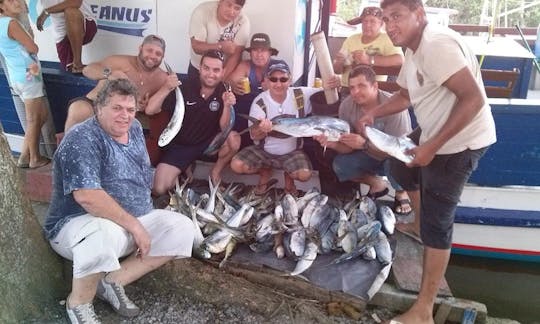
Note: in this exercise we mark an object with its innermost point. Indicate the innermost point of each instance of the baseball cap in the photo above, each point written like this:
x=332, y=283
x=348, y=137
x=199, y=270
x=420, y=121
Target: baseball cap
x=278, y=65
x=261, y=40
x=368, y=11
x=154, y=39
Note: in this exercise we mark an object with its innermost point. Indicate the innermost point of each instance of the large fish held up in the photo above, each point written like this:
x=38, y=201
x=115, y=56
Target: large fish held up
x=392, y=145
x=311, y=126
x=174, y=125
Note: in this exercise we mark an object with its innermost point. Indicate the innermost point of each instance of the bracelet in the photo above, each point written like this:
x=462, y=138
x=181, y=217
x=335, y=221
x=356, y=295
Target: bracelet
x=46, y=12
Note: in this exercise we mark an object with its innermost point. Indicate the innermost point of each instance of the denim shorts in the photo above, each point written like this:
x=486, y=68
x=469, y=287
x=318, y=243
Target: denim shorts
x=441, y=184
x=31, y=89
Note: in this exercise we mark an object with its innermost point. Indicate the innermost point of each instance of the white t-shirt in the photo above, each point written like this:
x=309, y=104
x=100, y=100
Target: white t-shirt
x=59, y=21
x=204, y=27
x=440, y=55
x=273, y=145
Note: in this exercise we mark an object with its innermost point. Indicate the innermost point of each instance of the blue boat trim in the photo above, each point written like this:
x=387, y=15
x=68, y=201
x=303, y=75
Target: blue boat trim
x=497, y=217
x=496, y=254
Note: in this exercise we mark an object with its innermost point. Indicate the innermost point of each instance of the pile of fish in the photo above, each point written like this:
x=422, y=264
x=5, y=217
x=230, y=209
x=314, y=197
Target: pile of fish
x=296, y=228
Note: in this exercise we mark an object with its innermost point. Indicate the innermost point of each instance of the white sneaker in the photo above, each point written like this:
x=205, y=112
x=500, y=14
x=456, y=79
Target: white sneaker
x=82, y=314
x=115, y=295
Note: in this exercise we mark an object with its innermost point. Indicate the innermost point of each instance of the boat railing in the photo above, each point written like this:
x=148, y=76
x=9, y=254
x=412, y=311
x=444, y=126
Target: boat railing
x=499, y=83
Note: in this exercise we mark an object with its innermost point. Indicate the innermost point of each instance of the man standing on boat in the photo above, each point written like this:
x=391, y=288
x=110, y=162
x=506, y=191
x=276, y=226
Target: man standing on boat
x=218, y=25
x=153, y=84
x=441, y=79
x=101, y=209
x=208, y=105
x=74, y=26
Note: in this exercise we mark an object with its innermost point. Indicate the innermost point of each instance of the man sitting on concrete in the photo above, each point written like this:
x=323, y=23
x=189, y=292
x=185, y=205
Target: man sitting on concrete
x=356, y=161
x=272, y=152
x=208, y=106
x=101, y=209
x=74, y=26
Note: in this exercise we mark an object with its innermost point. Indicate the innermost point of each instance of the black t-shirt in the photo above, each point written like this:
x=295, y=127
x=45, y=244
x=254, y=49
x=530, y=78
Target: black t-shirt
x=201, y=119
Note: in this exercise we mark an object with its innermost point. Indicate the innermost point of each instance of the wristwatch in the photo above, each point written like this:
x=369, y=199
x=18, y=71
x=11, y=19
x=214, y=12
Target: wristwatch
x=106, y=73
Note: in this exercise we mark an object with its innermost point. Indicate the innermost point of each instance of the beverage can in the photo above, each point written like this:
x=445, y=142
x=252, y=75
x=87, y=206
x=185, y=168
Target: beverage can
x=317, y=83
x=245, y=85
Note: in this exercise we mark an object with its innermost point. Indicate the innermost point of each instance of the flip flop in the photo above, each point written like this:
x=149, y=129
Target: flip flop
x=263, y=188
x=77, y=70
x=23, y=165
x=400, y=203
x=378, y=194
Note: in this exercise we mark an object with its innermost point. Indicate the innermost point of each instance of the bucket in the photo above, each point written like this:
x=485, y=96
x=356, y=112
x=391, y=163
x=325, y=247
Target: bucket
x=319, y=106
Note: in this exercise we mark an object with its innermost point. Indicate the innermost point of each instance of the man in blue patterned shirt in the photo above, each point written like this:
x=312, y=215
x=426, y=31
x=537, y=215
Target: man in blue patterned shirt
x=101, y=208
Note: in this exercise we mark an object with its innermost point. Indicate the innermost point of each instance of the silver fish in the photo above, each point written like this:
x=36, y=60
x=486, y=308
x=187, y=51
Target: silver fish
x=311, y=126
x=174, y=125
x=387, y=218
x=221, y=137
x=307, y=259
x=210, y=206
x=392, y=145
x=383, y=250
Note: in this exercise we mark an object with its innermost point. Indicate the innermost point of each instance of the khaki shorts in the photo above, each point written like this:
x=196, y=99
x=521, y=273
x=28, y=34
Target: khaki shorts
x=95, y=244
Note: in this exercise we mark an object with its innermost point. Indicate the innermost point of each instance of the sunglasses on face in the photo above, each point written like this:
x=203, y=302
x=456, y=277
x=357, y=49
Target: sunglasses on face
x=276, y=79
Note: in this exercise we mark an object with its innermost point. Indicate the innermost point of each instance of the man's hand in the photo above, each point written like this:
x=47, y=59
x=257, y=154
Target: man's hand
x=229, y=99
x=142, y=239
x=172, y=81
x=228, y=47
x=265, y=125
x=354, y=141
x=423, y=155
x=41, y=20
x=238, y=87
x=332, y=82
x=366, y=120
x=143, y=101
x=340, y=58
x=322, y=139
x=360, y=57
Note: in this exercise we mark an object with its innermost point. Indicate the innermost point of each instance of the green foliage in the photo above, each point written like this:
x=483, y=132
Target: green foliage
x=469, y=11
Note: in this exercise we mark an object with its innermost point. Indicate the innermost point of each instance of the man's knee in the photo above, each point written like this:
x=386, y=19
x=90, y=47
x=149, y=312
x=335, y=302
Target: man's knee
x=239, y=166
x=301, y=175
x=79, y=111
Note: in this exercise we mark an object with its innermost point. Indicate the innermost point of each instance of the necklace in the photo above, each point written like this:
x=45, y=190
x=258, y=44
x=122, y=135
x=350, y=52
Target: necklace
x=141, y=79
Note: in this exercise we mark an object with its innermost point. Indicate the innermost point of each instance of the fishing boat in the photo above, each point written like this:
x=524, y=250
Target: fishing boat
x=499, y=212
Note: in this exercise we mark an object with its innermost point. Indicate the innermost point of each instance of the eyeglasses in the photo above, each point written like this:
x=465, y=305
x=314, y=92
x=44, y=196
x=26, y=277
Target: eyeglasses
x=276, y=79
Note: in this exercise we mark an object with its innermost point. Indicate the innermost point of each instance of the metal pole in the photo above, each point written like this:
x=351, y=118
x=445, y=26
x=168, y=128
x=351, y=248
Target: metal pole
x=535, y=62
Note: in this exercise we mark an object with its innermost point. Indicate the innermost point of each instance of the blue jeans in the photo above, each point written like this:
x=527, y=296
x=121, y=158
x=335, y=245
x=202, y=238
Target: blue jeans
x=353, y=165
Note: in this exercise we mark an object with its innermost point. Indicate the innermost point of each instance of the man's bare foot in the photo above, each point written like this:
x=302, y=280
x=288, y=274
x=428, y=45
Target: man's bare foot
x=290, y=187
x=413, y=316
x=264, y=179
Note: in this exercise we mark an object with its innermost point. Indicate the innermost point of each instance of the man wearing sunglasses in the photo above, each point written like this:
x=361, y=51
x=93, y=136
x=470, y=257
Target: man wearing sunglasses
x=272, y=152
x=218, y=25
x=208, y=104
x=153, y=84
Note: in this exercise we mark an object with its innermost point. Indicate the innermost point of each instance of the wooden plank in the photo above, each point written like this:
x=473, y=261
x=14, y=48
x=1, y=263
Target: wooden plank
x=407, y=266
x=291, y=285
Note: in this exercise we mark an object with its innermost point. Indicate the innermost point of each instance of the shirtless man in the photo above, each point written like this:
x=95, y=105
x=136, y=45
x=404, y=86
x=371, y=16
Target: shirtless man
x=153, y=84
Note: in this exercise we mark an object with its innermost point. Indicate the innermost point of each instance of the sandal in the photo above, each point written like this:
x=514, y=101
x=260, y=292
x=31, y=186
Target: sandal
x=401, y=203
x=74, y=69
x=378, y=194
x=263, y=188
x=40, y=163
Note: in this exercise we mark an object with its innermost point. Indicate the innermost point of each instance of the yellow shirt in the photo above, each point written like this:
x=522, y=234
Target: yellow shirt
x=382, y=45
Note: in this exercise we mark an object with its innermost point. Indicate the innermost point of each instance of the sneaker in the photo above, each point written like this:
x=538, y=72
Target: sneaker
x=115, y=295
x=82, y=314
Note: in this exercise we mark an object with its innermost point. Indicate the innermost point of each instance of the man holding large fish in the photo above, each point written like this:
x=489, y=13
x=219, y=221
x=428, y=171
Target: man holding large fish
x=273, y=151
x=441, y=79
x=208, y=105
x=355, y=160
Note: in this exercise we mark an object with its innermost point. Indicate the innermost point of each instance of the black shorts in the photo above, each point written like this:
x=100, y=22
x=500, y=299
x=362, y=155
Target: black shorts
x=441, y=183
x=181, y=156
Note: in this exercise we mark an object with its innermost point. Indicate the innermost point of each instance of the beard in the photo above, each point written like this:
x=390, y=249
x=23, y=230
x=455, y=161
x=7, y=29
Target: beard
x=144, y=63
